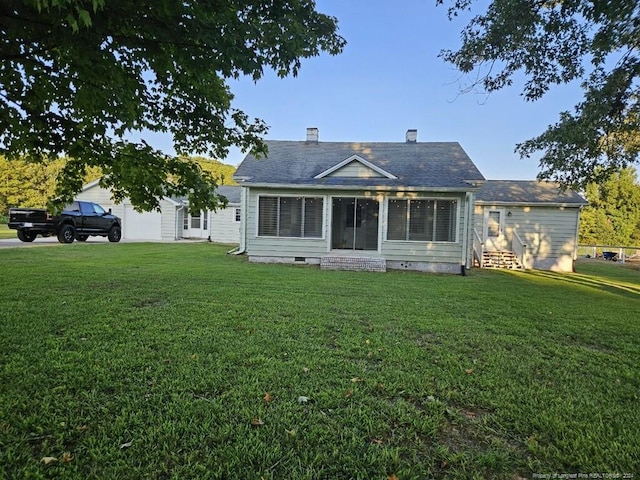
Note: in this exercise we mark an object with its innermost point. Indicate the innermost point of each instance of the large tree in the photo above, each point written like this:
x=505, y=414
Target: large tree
x=594, y=42
x=613, y=214
x=81, y=78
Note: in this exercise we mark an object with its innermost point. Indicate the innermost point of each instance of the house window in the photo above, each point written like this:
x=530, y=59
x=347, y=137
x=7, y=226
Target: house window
x=185, y=221
x=205, y=220
x=422, y=220
x=237, y=214
x=195, y=220
x=290, y=217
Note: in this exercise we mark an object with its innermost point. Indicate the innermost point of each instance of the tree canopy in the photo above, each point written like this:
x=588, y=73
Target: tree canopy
x=29, y=184
x=81, y=78
x=594, y=42
x=613, y=214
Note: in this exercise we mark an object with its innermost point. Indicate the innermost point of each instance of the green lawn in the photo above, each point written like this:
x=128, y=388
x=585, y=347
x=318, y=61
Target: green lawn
x=5, y=232
x=178, y=361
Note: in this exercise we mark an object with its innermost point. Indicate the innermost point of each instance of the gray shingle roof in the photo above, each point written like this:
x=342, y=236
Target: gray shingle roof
x=416, y=165
x=526, y=192
x=231, y=192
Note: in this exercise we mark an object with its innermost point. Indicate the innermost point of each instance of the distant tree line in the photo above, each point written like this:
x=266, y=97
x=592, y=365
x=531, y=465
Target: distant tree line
x=28, y=184
x=613, y=214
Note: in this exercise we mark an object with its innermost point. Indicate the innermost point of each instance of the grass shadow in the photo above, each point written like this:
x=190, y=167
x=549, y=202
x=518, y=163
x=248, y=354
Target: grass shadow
x=601, y=283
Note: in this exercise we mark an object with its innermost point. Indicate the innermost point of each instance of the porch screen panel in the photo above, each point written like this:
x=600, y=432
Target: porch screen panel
x=313, y=217
x=421, y=214
x=446, y=221
x=290, y=217
x=397, y=220
x=268, y=216
x=422, y=220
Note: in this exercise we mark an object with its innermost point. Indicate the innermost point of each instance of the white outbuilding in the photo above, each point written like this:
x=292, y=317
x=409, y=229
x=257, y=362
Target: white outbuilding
x=173, y=221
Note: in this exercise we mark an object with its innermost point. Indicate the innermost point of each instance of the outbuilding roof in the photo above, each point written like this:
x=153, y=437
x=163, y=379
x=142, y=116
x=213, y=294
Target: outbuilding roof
x=419, y=165
x=231, y=192
x=527, y=192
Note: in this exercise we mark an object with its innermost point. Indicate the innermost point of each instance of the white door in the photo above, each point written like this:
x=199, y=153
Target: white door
x=141, y=225
x=494, y=229
x=197, y=225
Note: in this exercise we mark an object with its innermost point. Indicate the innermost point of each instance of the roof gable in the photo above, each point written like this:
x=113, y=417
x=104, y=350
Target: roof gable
x=355, y=167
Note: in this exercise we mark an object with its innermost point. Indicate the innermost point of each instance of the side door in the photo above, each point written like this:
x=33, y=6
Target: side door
x=101, y=219
x=84, y=223
x=91, y=219
x=494, y=238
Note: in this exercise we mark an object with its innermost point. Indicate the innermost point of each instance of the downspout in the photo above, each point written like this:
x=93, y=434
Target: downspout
x=465, y=239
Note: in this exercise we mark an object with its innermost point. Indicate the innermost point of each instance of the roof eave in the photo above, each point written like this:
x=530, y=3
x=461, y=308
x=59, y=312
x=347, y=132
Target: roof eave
x=290, y=186
x=532, y=204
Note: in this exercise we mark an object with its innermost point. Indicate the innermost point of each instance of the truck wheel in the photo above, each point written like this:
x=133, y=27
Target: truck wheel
x=26, y=236
x=82, y=238
x=114, y=234
x=66, y=234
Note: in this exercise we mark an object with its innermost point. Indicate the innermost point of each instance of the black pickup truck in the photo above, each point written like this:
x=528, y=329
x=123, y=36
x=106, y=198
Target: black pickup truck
x=78, y=221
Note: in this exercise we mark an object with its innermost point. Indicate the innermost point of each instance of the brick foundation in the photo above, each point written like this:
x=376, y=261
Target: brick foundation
x=361, y=264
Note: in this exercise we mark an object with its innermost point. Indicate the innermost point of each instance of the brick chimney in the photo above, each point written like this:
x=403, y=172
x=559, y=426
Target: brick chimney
x=312, y=134
x=412, y=136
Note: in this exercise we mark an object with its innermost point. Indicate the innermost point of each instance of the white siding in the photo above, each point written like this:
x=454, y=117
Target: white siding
x=223, y=226
x=170, y=228
x=356, y=169
x=548, y=231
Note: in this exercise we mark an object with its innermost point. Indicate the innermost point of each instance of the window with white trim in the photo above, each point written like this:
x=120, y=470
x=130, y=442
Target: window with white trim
x=237, y=215
x=422, y=220
x=290, y=217
x=195, y=220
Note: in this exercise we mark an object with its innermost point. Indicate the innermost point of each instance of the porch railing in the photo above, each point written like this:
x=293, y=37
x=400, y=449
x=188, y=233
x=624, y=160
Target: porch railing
x=478, y=247
x=519, y=249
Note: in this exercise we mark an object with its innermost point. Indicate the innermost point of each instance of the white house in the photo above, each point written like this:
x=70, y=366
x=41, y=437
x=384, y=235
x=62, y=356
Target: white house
x=375, y=205
x=401, y=205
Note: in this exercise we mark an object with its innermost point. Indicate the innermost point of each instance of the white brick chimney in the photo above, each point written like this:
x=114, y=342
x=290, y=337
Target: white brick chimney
x=312, y=134
x=412, y=136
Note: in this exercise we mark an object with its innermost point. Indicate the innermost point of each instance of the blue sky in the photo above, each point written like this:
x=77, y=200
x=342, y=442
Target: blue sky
x=389, y=79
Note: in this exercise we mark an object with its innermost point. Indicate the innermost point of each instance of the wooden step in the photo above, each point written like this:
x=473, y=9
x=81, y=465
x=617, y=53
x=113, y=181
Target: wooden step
x=501, y=259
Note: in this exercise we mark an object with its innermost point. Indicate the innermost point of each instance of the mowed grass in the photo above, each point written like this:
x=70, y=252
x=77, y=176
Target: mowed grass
x=178, y=361
x=5, y=232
